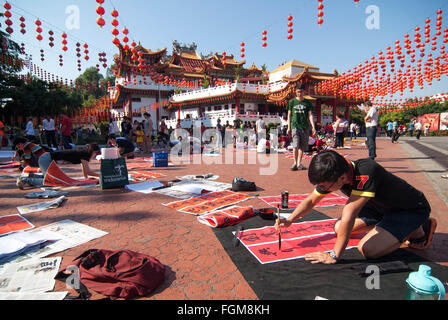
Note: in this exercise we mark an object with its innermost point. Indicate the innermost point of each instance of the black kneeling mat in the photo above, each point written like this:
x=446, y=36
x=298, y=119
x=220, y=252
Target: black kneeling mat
x=349, y=279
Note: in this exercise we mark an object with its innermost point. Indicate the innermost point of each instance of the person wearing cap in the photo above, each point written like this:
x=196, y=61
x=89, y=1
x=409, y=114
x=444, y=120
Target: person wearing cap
x=75, y=156
x=300, y=119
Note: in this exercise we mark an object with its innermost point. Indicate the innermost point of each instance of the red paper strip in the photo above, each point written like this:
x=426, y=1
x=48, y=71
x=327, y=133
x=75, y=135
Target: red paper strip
x=12, y=223
x=10, y=164
x=146, y=174
x=55, y=177
x=226, y=217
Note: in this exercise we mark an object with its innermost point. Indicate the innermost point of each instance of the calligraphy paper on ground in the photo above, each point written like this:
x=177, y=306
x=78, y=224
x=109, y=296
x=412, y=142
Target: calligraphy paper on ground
x=10, y=164
x=207, y=203
x=296, y=241
x=146, y=174
x=332, y=199
x=55, y=177
x=13, y=223
x=226, y=217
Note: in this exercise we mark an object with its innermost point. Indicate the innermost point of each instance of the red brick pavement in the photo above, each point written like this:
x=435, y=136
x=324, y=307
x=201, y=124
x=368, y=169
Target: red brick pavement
x=197, y=265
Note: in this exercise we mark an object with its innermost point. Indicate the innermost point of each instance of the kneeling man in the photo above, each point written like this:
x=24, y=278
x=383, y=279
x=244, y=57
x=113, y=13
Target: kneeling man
x=390, y=210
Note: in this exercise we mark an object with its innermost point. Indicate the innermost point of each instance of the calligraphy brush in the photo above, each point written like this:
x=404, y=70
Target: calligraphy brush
x=279, y=230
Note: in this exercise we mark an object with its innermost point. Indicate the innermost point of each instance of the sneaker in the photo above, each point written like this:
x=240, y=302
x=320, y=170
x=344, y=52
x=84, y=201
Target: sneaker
x=445, y=176
x=294, y=168
x=301, y=167
x=20, y=183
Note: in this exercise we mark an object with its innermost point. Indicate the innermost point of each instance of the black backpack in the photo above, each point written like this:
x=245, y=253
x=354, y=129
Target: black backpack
x=239, y=184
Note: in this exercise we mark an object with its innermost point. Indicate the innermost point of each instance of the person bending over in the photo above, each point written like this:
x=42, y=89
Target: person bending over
x=44, y=159
x=125, y=147
x=390, y=210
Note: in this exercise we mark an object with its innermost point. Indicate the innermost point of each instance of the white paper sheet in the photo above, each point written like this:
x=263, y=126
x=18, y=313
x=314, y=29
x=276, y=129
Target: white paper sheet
x=144, y=187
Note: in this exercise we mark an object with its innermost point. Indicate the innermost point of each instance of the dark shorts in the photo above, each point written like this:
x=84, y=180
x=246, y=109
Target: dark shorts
x=300, y=139
x=398, y=222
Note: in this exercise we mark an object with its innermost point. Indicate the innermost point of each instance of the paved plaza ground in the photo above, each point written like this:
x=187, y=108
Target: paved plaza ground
x=198, y=268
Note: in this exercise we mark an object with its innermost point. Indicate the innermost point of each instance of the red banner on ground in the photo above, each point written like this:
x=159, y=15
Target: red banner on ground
x=55, y=177
x=226, y=217
x=208, y=202
x=296, y=241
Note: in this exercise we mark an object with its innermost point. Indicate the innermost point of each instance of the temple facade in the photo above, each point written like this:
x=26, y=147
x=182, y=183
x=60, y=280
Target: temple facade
x=198, y=88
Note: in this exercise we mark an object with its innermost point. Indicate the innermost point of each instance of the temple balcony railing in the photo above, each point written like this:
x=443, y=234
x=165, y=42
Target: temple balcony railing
x=229, y=88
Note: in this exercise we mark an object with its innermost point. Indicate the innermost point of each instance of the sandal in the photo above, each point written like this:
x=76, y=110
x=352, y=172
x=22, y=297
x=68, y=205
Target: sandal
x=429, y=227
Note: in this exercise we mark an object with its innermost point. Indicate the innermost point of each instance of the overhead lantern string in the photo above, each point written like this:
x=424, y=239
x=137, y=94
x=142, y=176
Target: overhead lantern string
x=320, y=13
x=290, y=29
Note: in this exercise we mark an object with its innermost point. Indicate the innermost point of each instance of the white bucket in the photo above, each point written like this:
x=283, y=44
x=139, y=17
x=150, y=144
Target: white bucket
x=110, y=153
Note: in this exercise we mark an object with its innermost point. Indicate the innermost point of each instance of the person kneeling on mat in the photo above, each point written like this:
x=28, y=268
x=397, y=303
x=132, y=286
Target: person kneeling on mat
x=125, y=147
x=76, y=156
x=391, y=211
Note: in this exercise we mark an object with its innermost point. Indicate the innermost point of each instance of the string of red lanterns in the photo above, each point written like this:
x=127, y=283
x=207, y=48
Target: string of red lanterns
x=320, y=12
x=290, y=29
x=8, y=16
x=264, y=38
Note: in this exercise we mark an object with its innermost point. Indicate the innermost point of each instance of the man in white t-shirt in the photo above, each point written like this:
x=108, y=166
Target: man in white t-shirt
x=260, y=128
x=50, y=133
x=29, y=130
x=371, y=121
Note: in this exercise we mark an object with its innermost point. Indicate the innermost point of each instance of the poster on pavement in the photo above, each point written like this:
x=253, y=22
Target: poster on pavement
x=444, y=121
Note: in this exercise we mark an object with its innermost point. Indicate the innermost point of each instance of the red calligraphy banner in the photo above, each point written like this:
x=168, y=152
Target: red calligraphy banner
x=296, y=241
x=208, y=202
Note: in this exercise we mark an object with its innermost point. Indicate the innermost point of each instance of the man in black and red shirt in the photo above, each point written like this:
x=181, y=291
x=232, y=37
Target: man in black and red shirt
x=390, y=210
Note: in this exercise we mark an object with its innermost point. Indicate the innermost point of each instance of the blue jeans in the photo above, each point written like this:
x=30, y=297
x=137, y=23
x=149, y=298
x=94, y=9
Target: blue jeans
x=38, y=179
x=371, y=141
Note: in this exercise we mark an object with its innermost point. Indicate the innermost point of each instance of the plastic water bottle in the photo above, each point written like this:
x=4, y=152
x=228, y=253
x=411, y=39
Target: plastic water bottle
x=422, y=286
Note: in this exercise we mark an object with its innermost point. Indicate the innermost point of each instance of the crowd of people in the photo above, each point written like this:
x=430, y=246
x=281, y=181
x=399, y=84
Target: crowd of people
x=395, y=130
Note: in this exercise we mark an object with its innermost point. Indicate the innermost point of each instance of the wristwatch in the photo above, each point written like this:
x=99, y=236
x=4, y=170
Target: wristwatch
x=333, y=255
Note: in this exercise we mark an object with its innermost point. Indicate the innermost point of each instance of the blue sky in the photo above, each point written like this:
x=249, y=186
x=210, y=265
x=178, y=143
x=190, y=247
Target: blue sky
x=343, y=41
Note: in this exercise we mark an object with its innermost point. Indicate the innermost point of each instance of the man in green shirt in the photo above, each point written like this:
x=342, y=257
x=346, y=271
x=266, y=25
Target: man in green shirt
x=300, y=119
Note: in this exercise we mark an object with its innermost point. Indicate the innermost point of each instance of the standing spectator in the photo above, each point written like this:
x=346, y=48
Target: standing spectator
x=418, y=129
x=2, y=128
x=134, y=131
x=395, y=132
x=140, y=137
x=66, y=132
x=353, y=135
x=390, y=128
x=111, y=127
x=411, y=128
x=260, y=128
x=339, y=131
x=300, y=118
x=50, y=133
x=29, y=130
x=148, y=127
x=371, y=121
x=426, y=129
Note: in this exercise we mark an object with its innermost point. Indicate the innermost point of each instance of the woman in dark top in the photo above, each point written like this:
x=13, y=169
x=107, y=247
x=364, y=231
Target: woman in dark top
x=75, y=156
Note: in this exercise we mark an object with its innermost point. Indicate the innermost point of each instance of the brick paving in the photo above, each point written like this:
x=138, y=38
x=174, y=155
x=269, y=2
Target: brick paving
x=198, y=268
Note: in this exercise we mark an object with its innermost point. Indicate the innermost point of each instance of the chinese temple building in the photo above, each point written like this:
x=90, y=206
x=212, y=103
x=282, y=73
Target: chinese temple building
x=189, y=86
